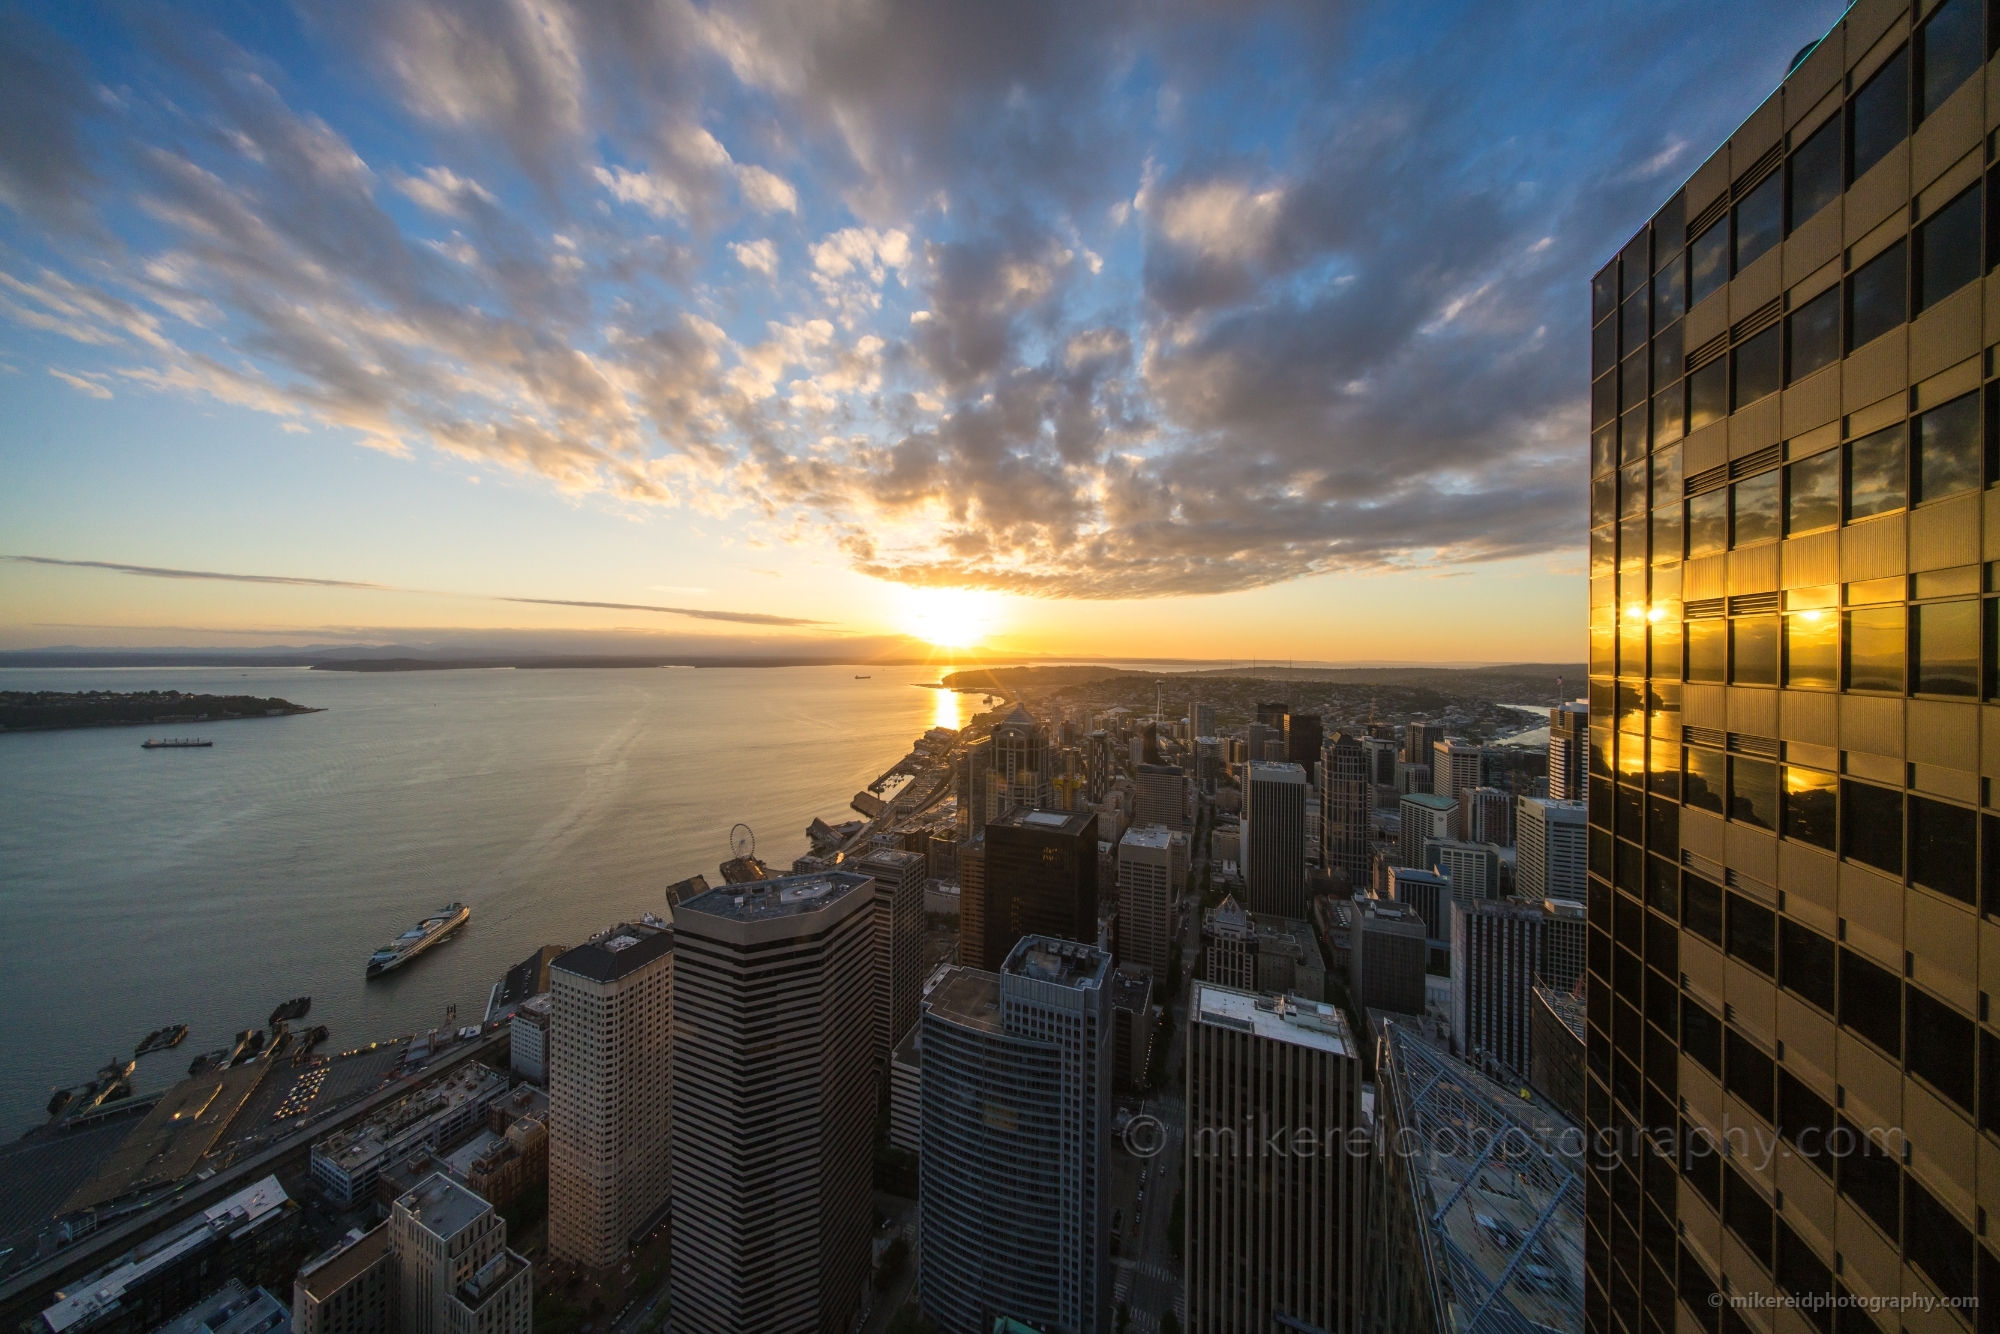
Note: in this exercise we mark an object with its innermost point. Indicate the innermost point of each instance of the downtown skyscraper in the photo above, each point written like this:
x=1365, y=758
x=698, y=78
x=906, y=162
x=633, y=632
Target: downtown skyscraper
x=1788, y=765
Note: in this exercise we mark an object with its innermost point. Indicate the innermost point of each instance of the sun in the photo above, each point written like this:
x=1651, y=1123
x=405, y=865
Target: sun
x=947, y=617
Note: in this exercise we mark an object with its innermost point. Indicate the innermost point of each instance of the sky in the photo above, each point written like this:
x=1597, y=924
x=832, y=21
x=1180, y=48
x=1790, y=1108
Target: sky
x=1168, y=330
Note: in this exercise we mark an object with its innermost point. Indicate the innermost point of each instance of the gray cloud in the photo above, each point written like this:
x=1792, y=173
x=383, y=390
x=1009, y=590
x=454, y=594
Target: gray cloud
x=161, y=572
x=45, y=168
x=735, y=617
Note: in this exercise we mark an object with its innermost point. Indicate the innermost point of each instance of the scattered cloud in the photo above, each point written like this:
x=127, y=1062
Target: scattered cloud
x=87, y=383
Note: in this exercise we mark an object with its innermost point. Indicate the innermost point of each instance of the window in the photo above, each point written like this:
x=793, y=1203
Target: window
x=1753, y=792
x=1753, y=935
x=1666, y=542
x=1705, y=779
x=1812, y=493
x=1759, y=364
x=1708, y=523
x=1754, y=651
x=1815, y=174
x=1871, y=1002
x=1632, y=427
x=1759, y=220
x=1950, y=449
x=1949, y=49
x=1632, y=489
x=1879, y=116
x=1948, y=250
x=1667, y=353
x=1604, y=291
x=1633, y=389
x=1944, y=849
x=1872, y=827
x=1876, y=473
x=1748, y=1215
x=1814, y=333
x=1633, y=323
x=1603, y=448
x=1812, y=650
x=1708, y=262
x=1670, y=291
x=1749, y=1073
x=1708, y=394
x=1666, y=476
x=1806, y=963
x=1943, y=1046
x=1755, y=508
x=1701, y=1035
x=1664, y=767
x=1935, y=1241
x=1670, y=413
x=1868, y=1175
x=1944, y=637
x=1708, y=651
x=1667, y=638
x=1809, y=807
x=1876, y=297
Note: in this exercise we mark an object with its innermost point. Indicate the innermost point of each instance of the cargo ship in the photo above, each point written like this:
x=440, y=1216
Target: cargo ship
x=174, y=743
x=418, y=938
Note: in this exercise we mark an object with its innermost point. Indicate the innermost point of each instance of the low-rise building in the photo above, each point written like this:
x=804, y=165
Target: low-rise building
x=232, y=1309
x=454, y=1272
x=350, y=1289
x=528, y=1039
x=1287, y=957
x=345, y=1166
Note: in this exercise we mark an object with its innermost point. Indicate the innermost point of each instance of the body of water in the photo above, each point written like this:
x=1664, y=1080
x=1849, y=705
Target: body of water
x=141, y=888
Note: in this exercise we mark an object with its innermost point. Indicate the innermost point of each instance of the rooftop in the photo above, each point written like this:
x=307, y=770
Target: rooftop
x=442, y=1207
x=330, y=1272
x=1062, y=962
x=530, y=977
x=617, y=951
x=1430, y=800
x=1302, y=1023
x=1270, y=771
x=1131, y=991
x=1567, y=1007
x=968, y=997
x=490, y=1279
x=1511, y=1213
x=1071, y=823
x=399, y=1121
x=786, y=896
x=246, y=1207
x=897, y=857
x=1147, y=836
x=231, y=1309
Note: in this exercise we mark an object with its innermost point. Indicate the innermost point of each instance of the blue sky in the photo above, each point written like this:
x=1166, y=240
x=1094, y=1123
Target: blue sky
x=1265, y=322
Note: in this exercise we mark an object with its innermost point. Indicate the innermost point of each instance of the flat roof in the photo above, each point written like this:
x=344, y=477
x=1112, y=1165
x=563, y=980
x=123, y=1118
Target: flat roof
x=1273, y=771
x=1566, y=1007
x=174, y=1137
x=1430, y=799
x=441, y=1206
x=1065, y=963
x=784, y=896
x=1044, y=822
x=1147, y=836
x=968, y=997
x=326, y=1275
x=1130, y=991
x=618, y=951
x=353, y=1149
x=1302, y=1023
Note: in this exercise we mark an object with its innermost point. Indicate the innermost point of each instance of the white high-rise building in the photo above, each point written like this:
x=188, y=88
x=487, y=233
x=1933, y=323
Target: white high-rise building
x=1014, y=1197
x=1146, y=898
x=1553, y=848
x=610, y=1066
x=1274, y=839
x=454, y=1272
x=1455, y=766
x=774, y=1105
x=1423, y=817
x=1270, y=1236
x=899, y=944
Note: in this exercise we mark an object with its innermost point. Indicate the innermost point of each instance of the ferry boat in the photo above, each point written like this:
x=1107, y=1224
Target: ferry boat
x=174, y=743
x=418, y=938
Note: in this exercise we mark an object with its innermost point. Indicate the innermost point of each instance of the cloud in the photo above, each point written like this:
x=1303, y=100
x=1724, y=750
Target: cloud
x=85, y=383
x=737, y=617
x=759, y=255
x=766, y=192
x=162, y=572
x=45, y=167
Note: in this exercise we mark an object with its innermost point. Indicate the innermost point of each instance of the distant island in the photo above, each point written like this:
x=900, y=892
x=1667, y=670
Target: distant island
x=46, y=710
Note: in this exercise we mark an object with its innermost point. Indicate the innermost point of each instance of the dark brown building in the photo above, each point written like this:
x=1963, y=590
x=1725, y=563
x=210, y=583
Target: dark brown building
x=1041, y=879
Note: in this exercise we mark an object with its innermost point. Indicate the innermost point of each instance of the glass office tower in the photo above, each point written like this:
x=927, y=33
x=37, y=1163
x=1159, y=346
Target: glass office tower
x=1791, y=666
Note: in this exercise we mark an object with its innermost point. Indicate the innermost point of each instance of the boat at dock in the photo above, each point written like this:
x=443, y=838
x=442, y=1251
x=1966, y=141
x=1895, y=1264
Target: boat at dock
x=161, y=1039
x=295, y=1008
x=418, y=938
x=174, y=743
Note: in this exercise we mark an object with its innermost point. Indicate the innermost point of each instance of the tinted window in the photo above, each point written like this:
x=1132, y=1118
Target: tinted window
x=1806, y=963
x=1670, y=290
x=1805, y=1118
x=1603, y=448
x=1812, y=499
x=1634, y=323
x=1754, y=654
x=1937, y=1243
x=1666, y=550
x=1759, y=220
x=1943, y=1046
x=1875, y=649
x=1670, y=413
x=1814, y=330
x=1708, y=394
x=1809, y=807
x=1755, y=508
x=1753, y=934
x=1950, y=449
x=1944, y=848
x=1604, y=399
x=1879, y=116
x=1948, y=249
x=1869, y=1176
x=1708, y=523
x=1815, y=173
x=1812, y=650
x=1948, y=48
x=1708, y=652
x=1876, y=292
x=1633, y=388
x=1747, y=1214
x=1632, y=489
x=1667, y=357
x=1604, y=291
x=1759, y=366
x=1604, y=496
x=1701, y=1035
x=1871, y=1002
x=1876, y=474
x=1604, y=347
x=1708, y=262
x=1872, y=826
x=1633, y=428
x=1944, y=638
x=1666, y=476
x=1705, y=773
x=1749, y=1073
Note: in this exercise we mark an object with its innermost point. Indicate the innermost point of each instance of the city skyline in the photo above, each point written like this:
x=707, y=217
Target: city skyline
x=782, y=325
